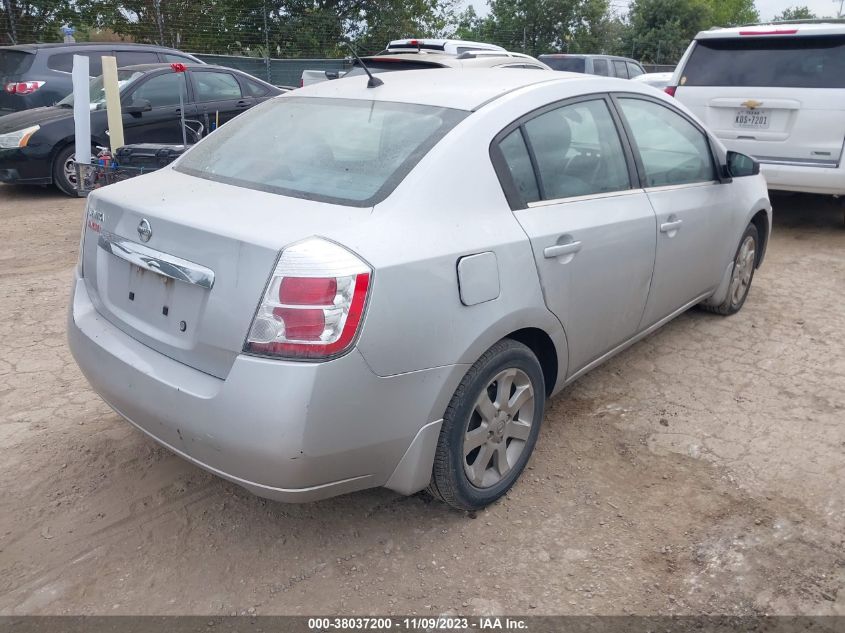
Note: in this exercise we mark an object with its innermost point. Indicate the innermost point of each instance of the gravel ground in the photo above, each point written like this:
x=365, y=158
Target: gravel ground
x=701, y=471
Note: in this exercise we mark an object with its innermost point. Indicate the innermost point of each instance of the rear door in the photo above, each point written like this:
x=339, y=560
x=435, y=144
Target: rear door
x=692, y=207
x=219, y=96
x=779, y=98
x=591, y=230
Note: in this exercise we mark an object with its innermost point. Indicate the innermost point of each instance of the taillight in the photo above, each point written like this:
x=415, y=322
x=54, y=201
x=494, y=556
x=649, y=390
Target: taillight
x=23, y=87
x=670, y=90
x=314, y=304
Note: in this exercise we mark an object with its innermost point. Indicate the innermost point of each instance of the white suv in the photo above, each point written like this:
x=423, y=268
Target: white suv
x=775, y=92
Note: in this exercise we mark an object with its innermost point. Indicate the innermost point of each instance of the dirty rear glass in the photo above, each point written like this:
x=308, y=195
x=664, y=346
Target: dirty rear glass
x=352, y=152
x=782, y=62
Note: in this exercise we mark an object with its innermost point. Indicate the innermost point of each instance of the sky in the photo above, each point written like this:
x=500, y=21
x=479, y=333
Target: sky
x=767, y=8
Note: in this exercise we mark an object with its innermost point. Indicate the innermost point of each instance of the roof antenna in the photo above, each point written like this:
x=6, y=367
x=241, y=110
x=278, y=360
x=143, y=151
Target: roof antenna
x=374, y=82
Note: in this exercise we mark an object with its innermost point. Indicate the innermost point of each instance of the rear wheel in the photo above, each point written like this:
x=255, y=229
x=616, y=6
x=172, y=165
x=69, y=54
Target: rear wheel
x=745, y=263
x=490, y=427
x=64, y=171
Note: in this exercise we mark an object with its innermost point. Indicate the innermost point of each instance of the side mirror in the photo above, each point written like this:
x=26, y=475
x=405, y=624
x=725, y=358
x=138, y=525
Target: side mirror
x=137, y=107
x=740, y=165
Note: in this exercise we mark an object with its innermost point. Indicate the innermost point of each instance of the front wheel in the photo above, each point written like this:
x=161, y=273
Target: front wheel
x=64, y=171
x=490, y=427
x=745, y=263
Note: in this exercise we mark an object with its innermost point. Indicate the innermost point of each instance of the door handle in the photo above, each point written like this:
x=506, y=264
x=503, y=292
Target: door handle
x=668, y=227
x=550, y=252
x=242, y=104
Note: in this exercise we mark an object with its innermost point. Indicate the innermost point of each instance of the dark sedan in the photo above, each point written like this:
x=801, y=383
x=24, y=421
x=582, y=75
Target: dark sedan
x=37, y=146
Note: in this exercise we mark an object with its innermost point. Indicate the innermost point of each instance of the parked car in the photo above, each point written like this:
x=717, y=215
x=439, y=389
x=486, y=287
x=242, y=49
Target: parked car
x=34, y=75
x=37, y=146
x=417, y=48
x=390, y=62
x=656, y=80
x=775, y=92
x=604, y=65
x=351, y=287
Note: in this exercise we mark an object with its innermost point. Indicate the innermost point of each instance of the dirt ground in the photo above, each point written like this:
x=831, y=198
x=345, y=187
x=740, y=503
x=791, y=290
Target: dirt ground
x=701, y=471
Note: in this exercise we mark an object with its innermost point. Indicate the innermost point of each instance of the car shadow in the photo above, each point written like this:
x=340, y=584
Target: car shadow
x=807, y=211
x=23, y=193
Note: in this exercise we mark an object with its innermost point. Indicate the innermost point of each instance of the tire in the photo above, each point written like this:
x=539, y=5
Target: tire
x=502, y=439
x=745, y=262
x=64, y=181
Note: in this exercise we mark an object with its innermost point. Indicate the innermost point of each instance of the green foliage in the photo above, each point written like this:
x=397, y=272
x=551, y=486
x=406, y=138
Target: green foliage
x=796, y=13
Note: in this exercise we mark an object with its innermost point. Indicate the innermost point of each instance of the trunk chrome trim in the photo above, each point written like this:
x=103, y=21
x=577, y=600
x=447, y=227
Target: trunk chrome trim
x=156, y=261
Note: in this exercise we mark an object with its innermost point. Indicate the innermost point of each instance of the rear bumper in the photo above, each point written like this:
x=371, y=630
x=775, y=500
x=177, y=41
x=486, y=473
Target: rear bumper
x=822, y=180
x=284, y=430
x=25, y=166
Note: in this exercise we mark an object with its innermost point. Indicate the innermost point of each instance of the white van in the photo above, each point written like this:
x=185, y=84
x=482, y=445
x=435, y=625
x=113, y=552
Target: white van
x=775, y=92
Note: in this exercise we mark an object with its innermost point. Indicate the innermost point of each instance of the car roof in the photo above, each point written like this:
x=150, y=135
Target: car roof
x=460, y=89
x=446, y=45
x=776, y=29
x=469, y=59
x=33, y=48
x=587, y=56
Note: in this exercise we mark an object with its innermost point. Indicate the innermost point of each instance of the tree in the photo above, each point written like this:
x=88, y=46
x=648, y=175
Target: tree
x=660, y=30
x=796, y=13
x=733, y=12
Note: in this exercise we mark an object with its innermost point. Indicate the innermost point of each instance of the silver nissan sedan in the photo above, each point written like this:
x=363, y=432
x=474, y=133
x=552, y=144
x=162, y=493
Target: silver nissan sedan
x=354, y=286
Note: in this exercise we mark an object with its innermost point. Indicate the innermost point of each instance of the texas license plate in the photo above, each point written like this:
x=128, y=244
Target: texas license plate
x=753, y=119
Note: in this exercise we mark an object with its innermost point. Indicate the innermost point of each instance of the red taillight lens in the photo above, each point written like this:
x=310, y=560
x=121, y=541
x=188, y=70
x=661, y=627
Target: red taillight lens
x=670, y=90
x=308, y=291
x=314, y=304
x=23, y=87
x=771, y=32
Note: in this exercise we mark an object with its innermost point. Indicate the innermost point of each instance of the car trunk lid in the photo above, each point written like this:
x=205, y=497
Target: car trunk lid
x=180, y=263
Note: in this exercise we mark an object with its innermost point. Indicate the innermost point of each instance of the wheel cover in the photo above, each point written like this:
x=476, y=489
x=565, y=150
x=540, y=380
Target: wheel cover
x=743, y=270
x=498, y=428
x=69, y=170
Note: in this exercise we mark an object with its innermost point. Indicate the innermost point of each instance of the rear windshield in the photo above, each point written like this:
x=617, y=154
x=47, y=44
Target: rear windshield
x=344, y=151
x=570, y=64
x=789, y=62
x=14, y=63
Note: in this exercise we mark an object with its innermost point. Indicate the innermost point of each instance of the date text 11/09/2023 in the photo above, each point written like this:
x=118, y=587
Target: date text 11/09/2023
x=483, y=623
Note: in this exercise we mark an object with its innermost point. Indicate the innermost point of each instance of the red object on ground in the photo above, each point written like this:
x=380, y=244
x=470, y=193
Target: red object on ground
x=178, y=67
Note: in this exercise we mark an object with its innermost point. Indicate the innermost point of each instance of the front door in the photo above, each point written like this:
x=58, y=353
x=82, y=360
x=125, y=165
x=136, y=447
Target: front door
x=161, y=124
x=591, y=230
x=689, y=203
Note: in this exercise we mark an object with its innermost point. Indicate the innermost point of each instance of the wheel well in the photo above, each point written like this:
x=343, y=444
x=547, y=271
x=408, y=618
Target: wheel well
x=761, y=221
x=544, y=349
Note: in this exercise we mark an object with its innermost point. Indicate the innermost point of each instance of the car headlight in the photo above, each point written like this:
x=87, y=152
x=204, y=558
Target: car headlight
x=18, y=139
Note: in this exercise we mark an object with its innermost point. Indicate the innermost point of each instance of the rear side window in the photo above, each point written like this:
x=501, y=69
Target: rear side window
x=620, y=69
x=254, y=89
x=568, y=64
x=131, y=58
x=673, y=151
x=601, y=67
x=578, y=151
x=778, y=62
x=519, y=166
x=344, y=151
x=14, y=63
x=63, y=62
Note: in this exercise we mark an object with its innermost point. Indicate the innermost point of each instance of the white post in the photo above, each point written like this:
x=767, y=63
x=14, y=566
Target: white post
x=81, y=110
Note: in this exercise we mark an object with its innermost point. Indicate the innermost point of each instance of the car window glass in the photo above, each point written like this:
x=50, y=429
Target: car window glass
x=567, y=64
x=130, y=58
x=634, y=70
x=578, y=151
x=673, y=150
x=213, y=86
x=600, y=67
x=161, y=90
x=620, y=69
x=168, y=57
x=255, y=89
x=64, y=62
x=519, y=165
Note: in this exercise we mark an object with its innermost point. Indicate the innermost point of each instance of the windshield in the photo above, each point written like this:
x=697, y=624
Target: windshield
x=790, y=62
x=96, y=92
x=345, y=151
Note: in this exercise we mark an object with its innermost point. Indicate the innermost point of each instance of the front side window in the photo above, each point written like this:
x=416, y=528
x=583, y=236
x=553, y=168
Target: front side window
x=213, y=86
x=673, y=151
x=343, y=151
x=577, y=151
x=161, y=90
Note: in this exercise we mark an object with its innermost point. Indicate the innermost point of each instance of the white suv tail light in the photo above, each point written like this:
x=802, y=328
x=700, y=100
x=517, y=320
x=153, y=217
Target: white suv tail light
x=314, y=304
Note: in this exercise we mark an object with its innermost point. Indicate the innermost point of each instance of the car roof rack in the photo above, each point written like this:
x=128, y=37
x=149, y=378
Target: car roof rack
x=482, y=53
